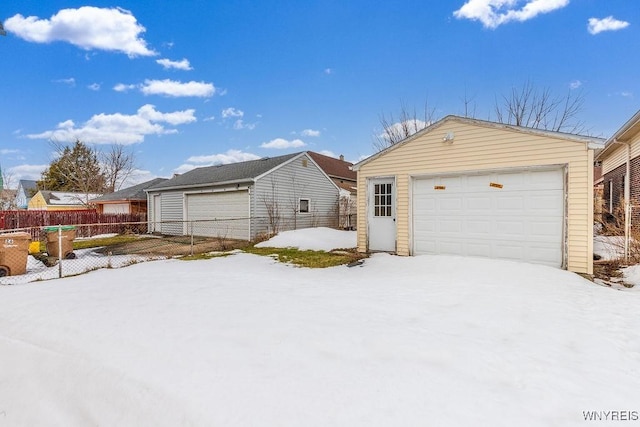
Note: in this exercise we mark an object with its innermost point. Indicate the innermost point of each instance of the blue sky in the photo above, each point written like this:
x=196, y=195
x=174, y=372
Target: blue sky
x=192, y=83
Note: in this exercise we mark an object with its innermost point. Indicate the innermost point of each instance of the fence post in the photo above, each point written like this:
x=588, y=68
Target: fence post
x=192, y=238
x=59, y=251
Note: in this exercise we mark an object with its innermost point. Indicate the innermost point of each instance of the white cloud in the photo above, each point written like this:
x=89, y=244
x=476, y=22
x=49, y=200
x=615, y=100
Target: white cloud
x=281, y=144
x=328, y=71
x=70, y=81
x=110, y=29
x=626, y=94
x=231, y=156
x=209, y=119
x=232, y=112
x=94, y=86
x=177, y=89
x=33, y=172
x=310, y=132
x=119, y=128
x=596, y=25
x=178, y=65
x=575, y=84
x=6, y=151
x=121, y=87
x=493, y=13
x=240, y=124
x=328, y=153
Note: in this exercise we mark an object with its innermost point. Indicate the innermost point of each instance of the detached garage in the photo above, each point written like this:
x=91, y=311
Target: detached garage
x=476, y=188
x=245, y=200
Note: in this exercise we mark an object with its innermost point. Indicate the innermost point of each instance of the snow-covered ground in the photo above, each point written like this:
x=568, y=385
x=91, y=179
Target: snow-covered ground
x=317, y=239
x=246, y=341
x=86, y=260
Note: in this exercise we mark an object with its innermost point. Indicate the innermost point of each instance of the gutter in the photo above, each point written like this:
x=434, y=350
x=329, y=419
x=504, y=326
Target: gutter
x=207, y=184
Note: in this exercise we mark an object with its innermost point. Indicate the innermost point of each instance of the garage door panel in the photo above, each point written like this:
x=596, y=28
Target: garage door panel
x=515, y=215
x=510, y=203
x=479, y=204
x=479, y=227
x=222, y=214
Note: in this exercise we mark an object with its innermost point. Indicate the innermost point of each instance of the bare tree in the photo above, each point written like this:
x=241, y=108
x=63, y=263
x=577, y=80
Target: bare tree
x=117, y=165
x=534, y=108
x=7, y=197
x=407, y=124
x=272, y=206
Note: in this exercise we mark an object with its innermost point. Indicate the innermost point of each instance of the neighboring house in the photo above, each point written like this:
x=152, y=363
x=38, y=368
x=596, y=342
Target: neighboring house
x=59, y=201
x=476, y=188
x=346, y=179
x=338, y=170
x=245, y=200
x=621, y=173
x=131, y=200
x=26, y=189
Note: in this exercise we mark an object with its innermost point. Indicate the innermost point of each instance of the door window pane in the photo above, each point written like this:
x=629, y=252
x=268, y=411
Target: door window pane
x=382, y=199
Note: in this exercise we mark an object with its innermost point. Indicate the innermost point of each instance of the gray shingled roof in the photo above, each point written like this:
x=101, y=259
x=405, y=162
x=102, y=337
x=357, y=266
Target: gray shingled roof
x=233, y=172
x=135, y=192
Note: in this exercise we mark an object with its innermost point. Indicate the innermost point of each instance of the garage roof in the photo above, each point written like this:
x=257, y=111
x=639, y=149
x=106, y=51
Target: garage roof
x=224, y=174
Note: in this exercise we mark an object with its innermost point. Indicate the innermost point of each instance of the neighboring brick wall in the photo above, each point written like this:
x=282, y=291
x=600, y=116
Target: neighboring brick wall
x=616, y=177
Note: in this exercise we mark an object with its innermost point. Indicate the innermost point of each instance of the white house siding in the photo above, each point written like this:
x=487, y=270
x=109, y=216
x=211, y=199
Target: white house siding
x=172, y=204
x=478, y=147
x=285, y=186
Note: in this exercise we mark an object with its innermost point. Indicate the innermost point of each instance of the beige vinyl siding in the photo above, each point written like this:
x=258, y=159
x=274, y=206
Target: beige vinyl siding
x=618, y=156
x=484, y=147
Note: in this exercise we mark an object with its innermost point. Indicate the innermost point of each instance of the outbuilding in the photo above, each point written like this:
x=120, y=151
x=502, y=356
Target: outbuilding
x=245, y=200
x=477, y=188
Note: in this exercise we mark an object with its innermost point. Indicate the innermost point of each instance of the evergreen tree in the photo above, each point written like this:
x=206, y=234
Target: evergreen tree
x=76, y=169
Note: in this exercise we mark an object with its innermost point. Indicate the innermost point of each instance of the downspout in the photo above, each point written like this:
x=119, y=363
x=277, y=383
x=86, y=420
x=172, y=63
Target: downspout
x=627, y=204
x=627, y=198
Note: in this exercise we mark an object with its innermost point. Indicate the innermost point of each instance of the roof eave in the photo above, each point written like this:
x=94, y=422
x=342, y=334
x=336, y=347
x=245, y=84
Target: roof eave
x=618, y=137
x=208, y=184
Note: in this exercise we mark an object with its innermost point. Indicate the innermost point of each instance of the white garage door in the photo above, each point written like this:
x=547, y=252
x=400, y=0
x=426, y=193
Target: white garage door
x=224, y=214
x=512, y=215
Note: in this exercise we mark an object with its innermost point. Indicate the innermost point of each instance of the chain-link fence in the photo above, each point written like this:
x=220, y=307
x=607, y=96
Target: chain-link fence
x=42, y=253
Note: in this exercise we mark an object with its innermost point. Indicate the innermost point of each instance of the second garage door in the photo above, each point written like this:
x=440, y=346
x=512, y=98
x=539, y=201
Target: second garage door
x=511, y=215
x=222, y=214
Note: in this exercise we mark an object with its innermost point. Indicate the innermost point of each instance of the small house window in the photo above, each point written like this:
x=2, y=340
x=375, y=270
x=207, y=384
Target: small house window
x=303, y=206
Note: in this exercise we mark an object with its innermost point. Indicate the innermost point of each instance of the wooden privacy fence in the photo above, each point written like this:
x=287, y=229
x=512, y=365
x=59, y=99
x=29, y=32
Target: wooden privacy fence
x=33, y=221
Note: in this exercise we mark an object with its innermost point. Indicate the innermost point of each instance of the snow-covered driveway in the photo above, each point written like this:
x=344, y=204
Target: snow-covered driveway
x=245, y=341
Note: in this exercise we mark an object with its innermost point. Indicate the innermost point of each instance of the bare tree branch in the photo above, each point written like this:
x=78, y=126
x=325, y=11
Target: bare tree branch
x=539, y=109
x=117, y=165
x=408, y=123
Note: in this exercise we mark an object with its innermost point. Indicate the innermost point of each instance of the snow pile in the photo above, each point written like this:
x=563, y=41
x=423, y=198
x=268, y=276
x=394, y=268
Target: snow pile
x=245, y=341
x=315, y=239
x=608, y=247
x=632, y=276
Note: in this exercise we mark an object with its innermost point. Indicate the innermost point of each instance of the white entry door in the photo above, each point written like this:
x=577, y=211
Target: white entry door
x=382, y=215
